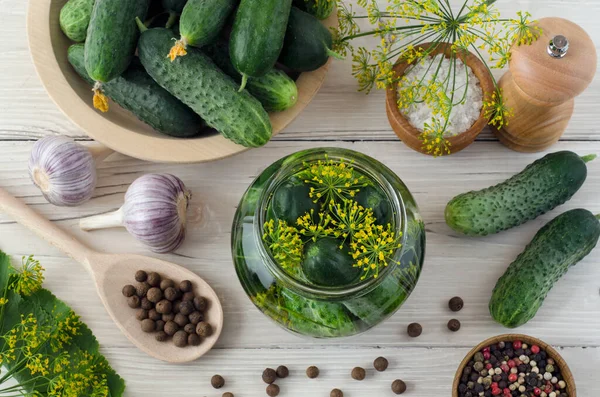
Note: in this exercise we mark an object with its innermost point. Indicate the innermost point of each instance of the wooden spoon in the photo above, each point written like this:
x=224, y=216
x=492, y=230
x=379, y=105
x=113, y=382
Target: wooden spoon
x=111, y=272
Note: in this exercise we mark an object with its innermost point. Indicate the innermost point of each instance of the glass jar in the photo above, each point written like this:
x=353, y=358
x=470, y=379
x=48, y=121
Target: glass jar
x=326, y=311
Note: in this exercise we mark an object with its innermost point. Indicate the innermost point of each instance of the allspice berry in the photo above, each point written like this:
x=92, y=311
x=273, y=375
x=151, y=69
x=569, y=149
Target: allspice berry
x=171, y=328
x=336, y=393
x=190, y=328
x=454, y=325
x=171, y=294
x=142, y=289
x=204, y=329
x=141, y=314
x=133, y=301
x=381, y=364
x=141, y=276
x=176, y=306
x=227, y=394
x=181, y=320
x=188, y=296
x=154, y=279
x=148, y=325
x=160, y=325
x=196, y=317
x=146, y=304
x=456, y=304
x=398, y=386
x=186, y=308
x=166, y=283
x=129, y=290
x=154, y=315
x=180, y=339
x=312, y=372
x=162, y=336
x=200, y=303
x=269, y=375
x=185, y=286
x=193, y=340
x=282, y=372
x=273, y=390
x=414, y=330
x=217, y=381
x=168, y=317
x=155, y=295
x=359, y=373
x=164, y=307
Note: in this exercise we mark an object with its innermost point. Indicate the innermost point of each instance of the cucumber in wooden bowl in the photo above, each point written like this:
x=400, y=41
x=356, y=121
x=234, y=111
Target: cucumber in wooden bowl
x=322, y=9
x=542, y=186
x=137, y=92
x=257, y=36
x=199, y=83
x=560, y=244
x=75, y=18
x=111, y=41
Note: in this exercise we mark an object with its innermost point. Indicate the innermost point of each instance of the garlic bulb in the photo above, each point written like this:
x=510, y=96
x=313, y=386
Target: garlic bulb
x=154, y=212
x=63, y=170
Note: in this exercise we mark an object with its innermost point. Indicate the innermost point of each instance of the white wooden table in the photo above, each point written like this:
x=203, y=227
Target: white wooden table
x=339, y=116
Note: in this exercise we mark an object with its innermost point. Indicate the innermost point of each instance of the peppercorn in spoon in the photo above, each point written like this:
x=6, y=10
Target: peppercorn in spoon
x=111, y=272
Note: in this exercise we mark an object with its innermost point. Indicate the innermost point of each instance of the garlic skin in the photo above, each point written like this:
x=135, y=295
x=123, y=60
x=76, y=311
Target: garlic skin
x=154, y=212
x=63, y=170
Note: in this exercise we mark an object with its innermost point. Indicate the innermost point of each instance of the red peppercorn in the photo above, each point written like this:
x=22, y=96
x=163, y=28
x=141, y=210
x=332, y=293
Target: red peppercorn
x=485, y=349
x=506, y=391
x=494, y=385
x=549, y=389
x=486, y=355
x=511, y=363
x=496, y=391
x=517, y=344
x=535, y=349
x=512, y=378
x=489, y=366
x=517, y=361
x=505, y=368
x=537, y=391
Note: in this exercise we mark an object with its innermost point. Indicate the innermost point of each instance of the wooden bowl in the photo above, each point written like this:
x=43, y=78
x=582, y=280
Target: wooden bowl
x=530, y=340
x=119, y=129
x=409, y=134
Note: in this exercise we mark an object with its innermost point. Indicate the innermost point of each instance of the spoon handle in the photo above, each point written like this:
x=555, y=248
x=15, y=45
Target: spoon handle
x=27, y=217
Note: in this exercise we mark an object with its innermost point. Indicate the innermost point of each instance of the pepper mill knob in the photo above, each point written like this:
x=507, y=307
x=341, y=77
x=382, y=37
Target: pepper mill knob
x=543, y=80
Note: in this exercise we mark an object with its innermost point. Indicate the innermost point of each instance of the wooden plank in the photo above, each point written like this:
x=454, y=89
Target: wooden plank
x=454, y=265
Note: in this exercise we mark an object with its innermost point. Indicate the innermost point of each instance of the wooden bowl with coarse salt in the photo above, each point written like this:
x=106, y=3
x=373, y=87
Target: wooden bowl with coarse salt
x=411, y=135
x=530, y=340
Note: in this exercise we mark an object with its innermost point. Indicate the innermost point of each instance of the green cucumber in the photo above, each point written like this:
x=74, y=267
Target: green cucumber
x=174, y=6
x=321, y=9
x=542, y=186
x=199, y=83
x=291, y=201
x=75, y=17
x=374, y=198
x=563, y=242
x=135, y=91
x=275, y=90
x=112, y=37
x=257, y=36
x=201, y=23
x=326, y=264
x=307, y=44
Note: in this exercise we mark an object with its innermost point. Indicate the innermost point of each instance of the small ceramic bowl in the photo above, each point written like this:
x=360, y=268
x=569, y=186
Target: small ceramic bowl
x=408, y=133
x=530, y=340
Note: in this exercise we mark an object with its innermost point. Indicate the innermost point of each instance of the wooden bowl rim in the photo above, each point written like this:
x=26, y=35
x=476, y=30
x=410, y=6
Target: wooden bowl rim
x=144, y=144
x=530, y=340
x=460, y=141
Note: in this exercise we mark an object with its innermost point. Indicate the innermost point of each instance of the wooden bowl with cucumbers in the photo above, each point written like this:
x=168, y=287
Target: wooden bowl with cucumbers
x=185, y=119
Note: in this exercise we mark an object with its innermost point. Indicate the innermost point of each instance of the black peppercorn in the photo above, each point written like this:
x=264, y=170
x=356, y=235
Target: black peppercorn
x=129, y=290
x=154, y=279
x=154, y=295
x=204, y=329
x=141, y=276
x=148, y=325
x=141, y=314
x=142, y=289
x=196, y=317
x=154, y=315
x=456, y=304
x=188, y=296
x=272, y=390
x=269, y=375
x=181, y=320
x=217, y=381
x=180, y=339
x=162, y=336
x=171, y=327
x=194, y=340
x=358, y=373
x=200, y=303
x=398, y=386
x=133, y=301
x=171, y=294
x=336, y=393
x=380, y=364
x=160, y=325
x=185, y=286
x=164, y=307
x=414, y=330
x=166, y=283
x=282, y=372
x=186, y=308
x=312, y=372
x=454, y=325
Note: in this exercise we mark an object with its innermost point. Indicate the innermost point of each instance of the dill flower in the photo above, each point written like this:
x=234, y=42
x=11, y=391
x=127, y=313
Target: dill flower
x=331, y=180
x=284, y=242
x=496, y=111
x=374, y=248
x=434, y=142
x=349, y=218
x=308, y=228
x=29, y=278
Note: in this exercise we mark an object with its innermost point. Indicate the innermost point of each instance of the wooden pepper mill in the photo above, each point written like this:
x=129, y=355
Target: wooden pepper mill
x=543, y=80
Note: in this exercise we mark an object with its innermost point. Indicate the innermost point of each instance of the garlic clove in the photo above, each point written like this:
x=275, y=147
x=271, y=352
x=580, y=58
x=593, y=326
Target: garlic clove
x=63, y=170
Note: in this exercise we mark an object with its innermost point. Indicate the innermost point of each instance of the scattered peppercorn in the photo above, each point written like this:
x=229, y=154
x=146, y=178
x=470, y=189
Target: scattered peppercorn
x=141, y=314
x=454, y=325
x=273, y=390
x=282, y=372
x=380, y=364
x=227, y=394
x=162, y=336
x=194, y=340
x=141, y=276
x=148, y=325
x=180, y=339
x=414, y=330
x=398, y=386
x=133, y=301
x=312, y=372
x=217, y=381
x=185, y=286
x=269, y=375
x=358, y=373
x=129, y=290
x=154, y=279
x=336, y=393
x=154, y=295
x=200, y=303
x=456, y=304
x=166, y=283
x=204, y=329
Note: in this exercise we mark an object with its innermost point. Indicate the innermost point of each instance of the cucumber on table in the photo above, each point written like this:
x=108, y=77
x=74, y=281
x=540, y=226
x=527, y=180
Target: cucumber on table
x=111, y=41
x=257, y=36
x=201, y=23
x=560, y=244
x=275, y=90
x=75, y=17
x=542, y=186
x=200, y=84
x=307, y=44
x=137, y=92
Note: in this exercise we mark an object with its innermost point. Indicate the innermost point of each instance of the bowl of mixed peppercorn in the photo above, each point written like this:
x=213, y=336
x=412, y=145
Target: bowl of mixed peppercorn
x=513, y=366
